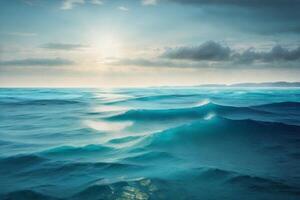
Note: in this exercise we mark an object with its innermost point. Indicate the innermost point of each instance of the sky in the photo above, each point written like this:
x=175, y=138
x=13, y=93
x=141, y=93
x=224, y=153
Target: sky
x=137, y=43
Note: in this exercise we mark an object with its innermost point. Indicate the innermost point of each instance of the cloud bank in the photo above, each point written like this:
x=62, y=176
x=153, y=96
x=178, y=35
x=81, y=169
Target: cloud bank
x=37, y=62
x=62, y=46
x=213, y=51
x=210, y=50
x=214, y=54
x=69, y=4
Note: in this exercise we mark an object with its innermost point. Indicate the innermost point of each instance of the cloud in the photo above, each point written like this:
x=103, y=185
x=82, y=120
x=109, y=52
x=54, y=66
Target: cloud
x=160, y=63
x=213, y=54
x=122, y=8
x=62, y=46
x=69, y=4
x=149, y=2
x=141, y=62
x=210, y=50
x=276, y=54
x=97, y=2
x=20, y=34
x=213, y=51
x=36, y=62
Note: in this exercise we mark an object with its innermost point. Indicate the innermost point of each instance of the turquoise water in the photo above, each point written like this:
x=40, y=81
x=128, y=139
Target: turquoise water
x=150, y=143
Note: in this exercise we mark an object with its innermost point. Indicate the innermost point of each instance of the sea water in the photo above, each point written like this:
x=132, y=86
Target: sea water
x=150, y=143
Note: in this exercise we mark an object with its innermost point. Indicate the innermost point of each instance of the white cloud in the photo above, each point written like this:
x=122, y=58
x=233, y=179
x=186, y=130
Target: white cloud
x=97, y=2
x=68, y=4
x=149, y=2
x=122, y=8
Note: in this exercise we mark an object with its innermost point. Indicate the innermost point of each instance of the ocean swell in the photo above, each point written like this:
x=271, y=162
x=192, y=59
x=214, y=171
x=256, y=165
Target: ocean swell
x=155, y=143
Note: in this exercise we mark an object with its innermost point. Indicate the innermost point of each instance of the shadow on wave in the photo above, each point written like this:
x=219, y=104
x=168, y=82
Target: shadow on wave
x=155, y=98
x=43, y=102
x=282, y=107
x=20, y=162
x=88, y=152
x=200, y=183
x=218, y=128
x=185, y=113
x=227, y=143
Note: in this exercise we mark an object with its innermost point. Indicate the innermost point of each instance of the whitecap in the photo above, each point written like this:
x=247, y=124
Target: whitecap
x=106, y=126
x=106, y=108
x=203, y=102
x=209, y=116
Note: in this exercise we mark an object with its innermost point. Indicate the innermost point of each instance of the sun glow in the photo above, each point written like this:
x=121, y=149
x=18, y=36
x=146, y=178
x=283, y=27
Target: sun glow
x=108, y=46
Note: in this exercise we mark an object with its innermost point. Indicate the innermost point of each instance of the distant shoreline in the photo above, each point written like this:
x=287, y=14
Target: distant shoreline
x=280, y=84
x=264, y=84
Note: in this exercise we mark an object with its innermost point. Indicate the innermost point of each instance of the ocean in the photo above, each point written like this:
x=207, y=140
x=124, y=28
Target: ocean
x=150, y=143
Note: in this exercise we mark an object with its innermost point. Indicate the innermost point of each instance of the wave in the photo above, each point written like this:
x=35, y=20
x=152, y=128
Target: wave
x=134, y=189
x=149, y=144
x=202, y=103
x=208, y=110
x=4, y=143
x=210, y=142
x=248, y=187
x=21, y=160
x=151, y=157
x=107, y=126
x=262, y=184
x=191, y=112
x=222, y=126
x=88, y=152
x=163, y=113
x=152, y=98
x=170, y=187
x=97, y=165
x=280, y=105
x=207, y=179
x=27, y=194
x=43, y=102
x=124, y=139
x=63, y=170
x=19, y=163
x=240, y=180
x=73, y=149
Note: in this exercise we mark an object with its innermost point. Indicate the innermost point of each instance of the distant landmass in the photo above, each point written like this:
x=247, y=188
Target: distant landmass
x=266, y=84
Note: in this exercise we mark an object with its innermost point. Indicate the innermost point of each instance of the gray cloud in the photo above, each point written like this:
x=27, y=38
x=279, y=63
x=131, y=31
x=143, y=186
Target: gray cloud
x=213, y=51
x=62, y=46
x=213, y=54
x=143, y=62
x=210, y=50
x=37, y=62
x=158, y=62
x=276, y=54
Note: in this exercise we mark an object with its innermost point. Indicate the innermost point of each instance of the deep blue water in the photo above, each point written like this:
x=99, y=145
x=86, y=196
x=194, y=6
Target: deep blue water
x=154, y=143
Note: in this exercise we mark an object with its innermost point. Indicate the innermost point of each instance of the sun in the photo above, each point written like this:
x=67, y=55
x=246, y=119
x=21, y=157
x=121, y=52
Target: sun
x=109, y=46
